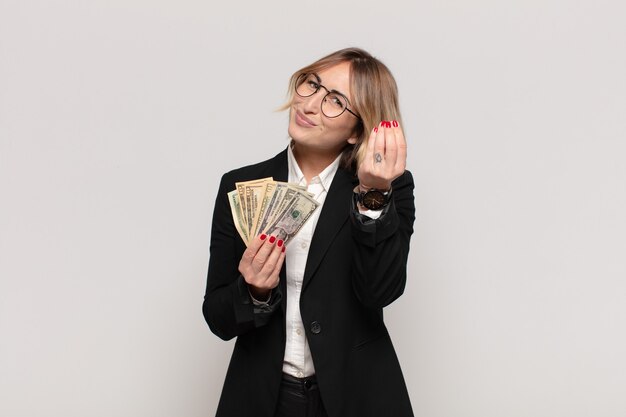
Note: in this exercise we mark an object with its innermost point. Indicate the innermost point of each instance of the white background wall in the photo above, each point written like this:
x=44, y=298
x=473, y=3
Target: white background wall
x=117, y=118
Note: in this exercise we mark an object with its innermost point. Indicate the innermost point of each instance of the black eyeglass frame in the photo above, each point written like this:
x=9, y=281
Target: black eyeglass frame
x=328, y=92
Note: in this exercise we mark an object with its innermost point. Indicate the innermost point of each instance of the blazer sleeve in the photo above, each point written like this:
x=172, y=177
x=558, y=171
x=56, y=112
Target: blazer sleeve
x=228, y=308
x=382, y=247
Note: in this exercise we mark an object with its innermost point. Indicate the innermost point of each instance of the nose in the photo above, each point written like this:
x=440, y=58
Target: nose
x=313, y=103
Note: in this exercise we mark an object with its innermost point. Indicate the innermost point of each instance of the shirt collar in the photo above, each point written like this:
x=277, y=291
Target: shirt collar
x=325, y=177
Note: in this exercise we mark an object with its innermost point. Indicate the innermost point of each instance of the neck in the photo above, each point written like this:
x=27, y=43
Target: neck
x=312, y=162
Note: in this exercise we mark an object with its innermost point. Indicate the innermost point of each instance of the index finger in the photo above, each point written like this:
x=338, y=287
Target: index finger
x=254, y=246
x=370, y=144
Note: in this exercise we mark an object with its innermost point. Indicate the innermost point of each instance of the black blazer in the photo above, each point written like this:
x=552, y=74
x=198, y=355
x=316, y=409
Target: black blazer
x=355, y=267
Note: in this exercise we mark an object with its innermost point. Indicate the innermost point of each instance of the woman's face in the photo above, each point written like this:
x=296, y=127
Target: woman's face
x=310, y=128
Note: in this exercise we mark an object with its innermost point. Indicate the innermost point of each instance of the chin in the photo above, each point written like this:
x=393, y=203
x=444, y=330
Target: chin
x=291, y=131
x=297, y=133
x=292, y=127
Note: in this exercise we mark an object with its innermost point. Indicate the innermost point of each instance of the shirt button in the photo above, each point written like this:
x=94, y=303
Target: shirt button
x=316, y=328
x=303, y=245
x=298, y=332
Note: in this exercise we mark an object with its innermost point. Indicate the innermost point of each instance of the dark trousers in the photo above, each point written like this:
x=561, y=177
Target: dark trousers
x=299, y=397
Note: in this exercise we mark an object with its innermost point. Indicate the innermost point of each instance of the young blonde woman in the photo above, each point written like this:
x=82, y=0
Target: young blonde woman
x=307, y=315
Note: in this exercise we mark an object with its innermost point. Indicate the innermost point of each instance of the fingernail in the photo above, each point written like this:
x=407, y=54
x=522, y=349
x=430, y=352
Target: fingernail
x=388, y=124
x=395, y=123
x=375, y=129
x=284, y=248
x=272, y=239
x=280, y=243
x=382, y=123
x=263, y=236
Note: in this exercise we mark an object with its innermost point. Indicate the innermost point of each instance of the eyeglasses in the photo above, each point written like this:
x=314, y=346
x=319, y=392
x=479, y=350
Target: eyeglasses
x=333, y=103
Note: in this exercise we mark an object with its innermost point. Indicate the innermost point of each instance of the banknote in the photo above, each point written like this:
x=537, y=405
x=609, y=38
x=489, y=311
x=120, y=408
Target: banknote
x=293, y=217
x=268, y=193
x=270, y=207
x=253, y=198
x=235, y=208
x=241, y=191
x=279, y=200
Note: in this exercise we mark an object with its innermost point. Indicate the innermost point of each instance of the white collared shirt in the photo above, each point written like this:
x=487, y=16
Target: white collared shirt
x=298, y=361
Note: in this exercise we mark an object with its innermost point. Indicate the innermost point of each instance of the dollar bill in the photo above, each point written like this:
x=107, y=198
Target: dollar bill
x=283, y=194
x=241, y=191
x=271, y=207
x=235, y=208
x=253, y=197
x=270, y=187
x=300, y=208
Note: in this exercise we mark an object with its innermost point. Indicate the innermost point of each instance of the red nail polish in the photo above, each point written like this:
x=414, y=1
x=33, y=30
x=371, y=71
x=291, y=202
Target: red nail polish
x=284, y=248
x=388, y=124
x=280, y=243
x=395, y=123
x=263, y=236
x=382, y=123
x=375, y=129
x=272, y=239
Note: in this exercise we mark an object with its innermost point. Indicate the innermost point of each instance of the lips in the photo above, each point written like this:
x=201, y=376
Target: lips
x=302, y=120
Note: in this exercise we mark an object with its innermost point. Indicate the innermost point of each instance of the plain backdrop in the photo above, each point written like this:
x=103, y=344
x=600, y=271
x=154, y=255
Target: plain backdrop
x=118, y=117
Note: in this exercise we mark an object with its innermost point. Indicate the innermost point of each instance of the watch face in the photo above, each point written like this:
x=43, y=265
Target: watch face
x=374, y=200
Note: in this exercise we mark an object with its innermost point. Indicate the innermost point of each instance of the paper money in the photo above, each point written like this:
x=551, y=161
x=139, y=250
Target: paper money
x=241, y=191
x=235, y=208
x=293, y=218
x=270, y=187
x=278, y=202
x=270, y=207
x=253, y=197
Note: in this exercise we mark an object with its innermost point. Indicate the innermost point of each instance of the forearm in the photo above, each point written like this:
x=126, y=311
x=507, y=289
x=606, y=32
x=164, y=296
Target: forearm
x=229, y=311
x=381, y=248
x=227, y=307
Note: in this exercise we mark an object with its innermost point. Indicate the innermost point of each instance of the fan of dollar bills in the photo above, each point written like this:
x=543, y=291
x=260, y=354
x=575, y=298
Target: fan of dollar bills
x=271, y=207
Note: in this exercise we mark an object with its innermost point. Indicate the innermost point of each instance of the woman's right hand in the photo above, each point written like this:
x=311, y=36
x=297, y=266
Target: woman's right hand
x=260, y=265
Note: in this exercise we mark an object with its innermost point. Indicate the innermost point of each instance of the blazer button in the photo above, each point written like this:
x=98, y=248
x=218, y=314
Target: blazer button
x=316, y=327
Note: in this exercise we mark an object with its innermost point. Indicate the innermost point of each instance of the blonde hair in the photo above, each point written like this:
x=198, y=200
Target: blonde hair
x=374, y=96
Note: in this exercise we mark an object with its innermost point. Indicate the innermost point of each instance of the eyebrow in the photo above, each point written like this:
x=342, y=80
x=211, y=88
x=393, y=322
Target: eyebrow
x=319, y=80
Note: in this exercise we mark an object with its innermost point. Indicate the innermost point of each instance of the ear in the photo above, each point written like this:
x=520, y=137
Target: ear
x=353, y=140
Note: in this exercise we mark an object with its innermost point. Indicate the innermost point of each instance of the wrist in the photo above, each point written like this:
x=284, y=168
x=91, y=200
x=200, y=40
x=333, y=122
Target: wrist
x=259, y=294
x=365, y=188
x=371, y=198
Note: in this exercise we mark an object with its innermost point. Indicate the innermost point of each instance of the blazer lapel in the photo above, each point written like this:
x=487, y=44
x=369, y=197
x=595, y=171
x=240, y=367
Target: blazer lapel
x=278, y=167
x=334, y=214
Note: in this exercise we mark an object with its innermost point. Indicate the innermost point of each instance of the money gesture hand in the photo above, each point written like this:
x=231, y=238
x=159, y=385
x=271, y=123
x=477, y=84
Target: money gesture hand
x=260, y=265
x=385, y=157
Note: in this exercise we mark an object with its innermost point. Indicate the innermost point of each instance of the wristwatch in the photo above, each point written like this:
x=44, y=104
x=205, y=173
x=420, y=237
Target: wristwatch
x=373, y=199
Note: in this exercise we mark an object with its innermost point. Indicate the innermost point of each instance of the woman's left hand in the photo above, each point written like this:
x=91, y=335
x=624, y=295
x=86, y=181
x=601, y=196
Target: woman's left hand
x=385, y=158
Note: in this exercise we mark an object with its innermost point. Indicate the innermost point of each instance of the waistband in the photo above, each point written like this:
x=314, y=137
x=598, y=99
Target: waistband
x=306, y=383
